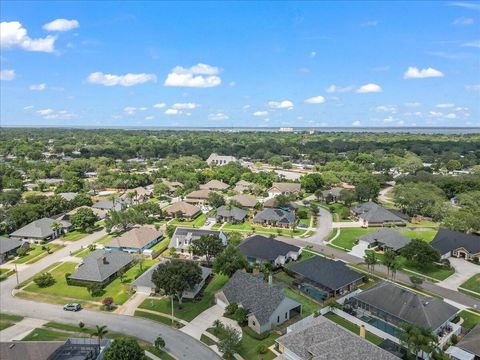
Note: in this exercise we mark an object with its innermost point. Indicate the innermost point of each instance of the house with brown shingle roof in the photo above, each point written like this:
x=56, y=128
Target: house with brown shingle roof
x=284, y=189
x=136, y=240
x=244, y=200
x=243, y=186
x=198, y=196
x=183, y=210
x=215, y=185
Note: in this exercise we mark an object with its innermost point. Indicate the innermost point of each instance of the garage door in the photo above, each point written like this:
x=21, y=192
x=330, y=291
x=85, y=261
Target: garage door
x=220, y=303
x=144, y=289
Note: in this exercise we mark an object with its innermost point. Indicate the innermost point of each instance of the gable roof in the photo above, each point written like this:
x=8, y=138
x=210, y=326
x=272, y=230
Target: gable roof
x=99, y=265
x=265, y=248
x=272, y=203
x=185, y=208
x=372, y=212
x=245, y=200
x=447, y=240
x=109, y=205
x=222, y=158
x=285, y=187
x=39, y=229
x=136, y=238
x=68, y=195
x=323, y=339
x=198, y=194
x=9, y=244
x=333, y=192
x=215, y=185
x=98, y=212
x=333, y=274
x=471, y=341
x=278, y=215
x=407, y=305
x=258, y=297
x=232, y=211
x=388, y=237
x=190, y=234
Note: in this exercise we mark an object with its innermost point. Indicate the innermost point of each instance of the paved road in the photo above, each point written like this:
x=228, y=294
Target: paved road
x=323, y=229
x=449, y=294
x=179, y=344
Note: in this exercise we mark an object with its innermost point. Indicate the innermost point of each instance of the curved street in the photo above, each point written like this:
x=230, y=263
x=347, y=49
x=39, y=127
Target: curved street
x=179, y=344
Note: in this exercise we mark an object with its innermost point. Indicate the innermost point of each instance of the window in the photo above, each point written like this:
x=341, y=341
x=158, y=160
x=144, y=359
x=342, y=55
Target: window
x=278, y=318
x=253, y=322
x=286, y=315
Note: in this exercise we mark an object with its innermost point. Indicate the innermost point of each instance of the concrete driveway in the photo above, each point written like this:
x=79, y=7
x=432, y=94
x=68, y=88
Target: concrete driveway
x=464, y=270
x=359, y=250
x=203, y=321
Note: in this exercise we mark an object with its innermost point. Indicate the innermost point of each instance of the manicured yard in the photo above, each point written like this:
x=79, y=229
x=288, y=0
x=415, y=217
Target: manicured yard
x=353, y=328
x=81, y=253
x=197, y=222
x=348, y=237
x=5, y=273
x=41, y=334
x=7, y=320
x=36, y=253
x=470, y=319
x=248, y=227
x=190, y=309
x=425, y=235
x=161, y=246
x=115, y=289
x=74, y=235
x=249, y=346
x=308, y=306
x=158, y=318
x=106, y=239
x=472, y=284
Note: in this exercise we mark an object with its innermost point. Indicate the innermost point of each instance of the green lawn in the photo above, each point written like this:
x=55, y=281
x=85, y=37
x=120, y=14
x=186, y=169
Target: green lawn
x=199, y=221
x=74, y=235
x=41, y=334
x=190, y=309
x=248, y=227
x=115, y=289
x=206, y=340
x=472, y=284
x=161, y=246
x=425, y=235
x=81, y=253
x=36, y=253
x=348, y=237
x=106, y=239
x=5, y=273
x=353, y=328
x=308, y=306
x=470, y=320
x=249, y=345
x=157, y=318
x=7, y=320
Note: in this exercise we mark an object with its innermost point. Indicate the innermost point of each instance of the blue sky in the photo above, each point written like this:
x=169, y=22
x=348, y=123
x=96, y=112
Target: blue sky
x=240, y=63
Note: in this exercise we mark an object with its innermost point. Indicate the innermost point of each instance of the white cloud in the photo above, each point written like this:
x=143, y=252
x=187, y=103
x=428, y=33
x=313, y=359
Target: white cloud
x=315, y=100
x=313, y=54
x=61, y=25
x=7, y=74
x=159, y=105
x=44, y=112
x=232, y=84
x=13, y=34
x=451, y=116
x=38, y=87
x=184, y=106
x=51, y=114
x=465, y=5
x=444, y=106
x=129, y=110
x=370, y=23
x=369, y=88
x=473, y=43
x=143, y=108
x=339, y=89
x=172, y=112
x=260, y=113
x=414, y=73
x=218, y=116
x=356, y=123
x=198, y=76
x=435, y=114
x=463, y=21
x=412, y=104
x=123, y=80
x=284, y=104
x=388, y=119
x=150, y=117
x=28, y=108
x=386, y=108
x=475, y=87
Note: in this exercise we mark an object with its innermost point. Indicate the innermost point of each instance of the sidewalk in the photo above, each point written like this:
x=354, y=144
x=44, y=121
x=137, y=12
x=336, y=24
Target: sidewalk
x=20, y=329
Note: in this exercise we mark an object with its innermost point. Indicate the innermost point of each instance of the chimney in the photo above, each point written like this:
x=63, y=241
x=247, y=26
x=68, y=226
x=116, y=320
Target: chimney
x=104, y=259
x=270, y=282
x=362, y=331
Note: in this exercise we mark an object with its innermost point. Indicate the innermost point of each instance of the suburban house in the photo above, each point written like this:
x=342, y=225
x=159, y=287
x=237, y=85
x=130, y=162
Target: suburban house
x=457, y=244
x=42, y=230
x=198, y=196
x=266, y=304
x=372, y=214
x=69, y=196
x=136, y=240
x=140, y=194
x=172, y=185
x=182, y=210
x=220, y=160
x=182, y=237
x=215, y=185
x=8, y=247
x=387, y=305
x=273, y=203
x=331, y=195
x=231, y=214
x=278, y=188
x=321, y=338
x=102, y=266
x=243, y=186
x=275, y=217
x=385, y=239
x=468, y=348
x=322, y=278
x=99, y=213
x=107, y=205
x=244, y=200
x=262, y=249
x=144, y=284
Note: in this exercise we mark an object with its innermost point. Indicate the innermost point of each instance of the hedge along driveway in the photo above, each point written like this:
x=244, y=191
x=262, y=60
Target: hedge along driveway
x=116, y=289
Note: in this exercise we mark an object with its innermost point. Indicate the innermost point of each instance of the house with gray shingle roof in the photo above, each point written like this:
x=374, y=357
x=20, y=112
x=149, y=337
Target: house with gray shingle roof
x=41, y=230
x=372, y=214
x=261, y=249
x=395, y=305
x=266, y=304
x=322, y=339
x=183, y=237
x=468, y=348
x=457, y=244
x=107, y=205
x=274, y=217
x=385, y=238
x=8, y=247
x=102, y=266
x=231, y=214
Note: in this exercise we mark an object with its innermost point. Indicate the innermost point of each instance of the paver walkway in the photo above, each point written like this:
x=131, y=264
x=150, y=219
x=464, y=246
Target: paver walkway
x=20, y=329
x=129, y=307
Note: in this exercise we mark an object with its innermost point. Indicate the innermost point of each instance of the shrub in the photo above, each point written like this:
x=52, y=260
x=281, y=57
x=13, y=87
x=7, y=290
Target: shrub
x=44, y=280
x=159, y=343
x=454, y=339
x=22, y=251
x=262, y=349
x=108, y=302
x=67, y=275
x=231, y=309
x=241, y=315
x=95, y=289
x=250, y=332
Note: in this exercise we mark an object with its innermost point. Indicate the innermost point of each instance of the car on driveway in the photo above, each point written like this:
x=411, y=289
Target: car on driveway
x=72, y=307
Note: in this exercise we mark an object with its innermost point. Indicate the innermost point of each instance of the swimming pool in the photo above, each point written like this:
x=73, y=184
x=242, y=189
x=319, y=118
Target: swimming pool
x=314, y=292
x=381, y=325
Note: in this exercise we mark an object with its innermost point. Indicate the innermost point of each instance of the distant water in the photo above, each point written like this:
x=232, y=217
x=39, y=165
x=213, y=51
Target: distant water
x=407, y=130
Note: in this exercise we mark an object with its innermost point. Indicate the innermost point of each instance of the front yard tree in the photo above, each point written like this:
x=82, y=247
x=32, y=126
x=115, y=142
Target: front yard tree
x=216, y=200
x=44, y=280
x=159, y=343
x=208, y=246
x=176, y=276
x=83, y=219
x=124, y=349
x=229, y=343
x=229, y=261
x=371, y=260
x=367, y=189
x=124, y=219
x=389, y=258
x=420, y=253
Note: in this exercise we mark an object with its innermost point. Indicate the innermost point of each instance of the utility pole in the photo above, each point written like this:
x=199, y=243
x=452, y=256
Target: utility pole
x=171, y=297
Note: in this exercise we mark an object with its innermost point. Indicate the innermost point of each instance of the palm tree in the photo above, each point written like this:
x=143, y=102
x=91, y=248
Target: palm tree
x=396, y=265
x=388, y=259
x=56, y=227
x=371, y=260
x=100, y=333
x=417, y=339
